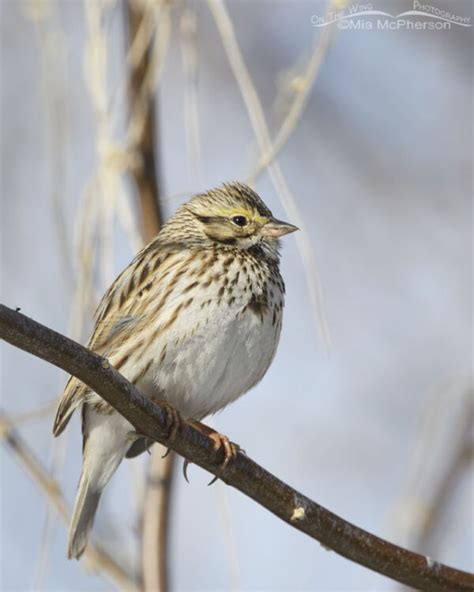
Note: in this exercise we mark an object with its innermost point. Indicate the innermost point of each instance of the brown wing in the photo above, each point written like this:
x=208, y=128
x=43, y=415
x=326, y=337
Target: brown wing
x=116, y=317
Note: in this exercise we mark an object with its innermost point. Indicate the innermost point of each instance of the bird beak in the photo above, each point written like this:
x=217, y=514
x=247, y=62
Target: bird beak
x=277, y=228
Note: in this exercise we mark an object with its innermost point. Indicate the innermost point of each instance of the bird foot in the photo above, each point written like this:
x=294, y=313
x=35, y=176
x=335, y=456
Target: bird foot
x=230, y=449
x=174, y=421
x=220, y=442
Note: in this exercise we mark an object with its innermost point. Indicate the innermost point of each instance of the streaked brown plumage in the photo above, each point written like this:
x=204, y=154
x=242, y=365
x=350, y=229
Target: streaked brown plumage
x=194, y=320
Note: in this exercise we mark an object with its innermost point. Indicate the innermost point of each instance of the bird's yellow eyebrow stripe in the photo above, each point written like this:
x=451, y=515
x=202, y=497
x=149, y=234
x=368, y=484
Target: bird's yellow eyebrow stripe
x=229, y=212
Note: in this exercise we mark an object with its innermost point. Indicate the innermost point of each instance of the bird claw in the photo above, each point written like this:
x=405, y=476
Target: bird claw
x=186, y=464
x=219, y=441
x=213, y=480
x=174, y=421
x=231, y=449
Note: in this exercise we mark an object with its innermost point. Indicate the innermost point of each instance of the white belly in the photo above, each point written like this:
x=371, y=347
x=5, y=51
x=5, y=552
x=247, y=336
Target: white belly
x=222, y=359
x=216, y=348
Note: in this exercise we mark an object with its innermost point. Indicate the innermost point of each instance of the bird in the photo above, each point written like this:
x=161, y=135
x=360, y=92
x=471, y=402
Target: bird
x=193, y=322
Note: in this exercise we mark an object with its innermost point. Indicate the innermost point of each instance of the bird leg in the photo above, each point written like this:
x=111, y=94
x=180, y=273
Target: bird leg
x=219, y=441
x=174, y=421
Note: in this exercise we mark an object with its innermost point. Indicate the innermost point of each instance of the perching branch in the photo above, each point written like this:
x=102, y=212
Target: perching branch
x=244, y=474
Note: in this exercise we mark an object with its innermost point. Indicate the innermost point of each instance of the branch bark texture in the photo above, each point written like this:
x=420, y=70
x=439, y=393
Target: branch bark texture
x=412, y=569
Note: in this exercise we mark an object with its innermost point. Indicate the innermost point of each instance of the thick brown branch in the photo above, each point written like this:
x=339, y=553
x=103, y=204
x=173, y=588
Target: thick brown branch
x=302, y=513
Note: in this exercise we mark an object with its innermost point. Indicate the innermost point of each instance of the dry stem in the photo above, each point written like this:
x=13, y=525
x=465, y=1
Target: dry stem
x=95, y=556
x=156, y=509
x=262, y=135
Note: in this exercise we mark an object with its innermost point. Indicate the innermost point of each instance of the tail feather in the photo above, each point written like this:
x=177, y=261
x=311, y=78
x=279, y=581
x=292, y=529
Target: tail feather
x=85, y=508
x=72, y=397
x=106, y=440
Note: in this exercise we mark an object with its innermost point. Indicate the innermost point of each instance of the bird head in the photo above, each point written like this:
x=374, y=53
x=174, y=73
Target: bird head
x=233, y=216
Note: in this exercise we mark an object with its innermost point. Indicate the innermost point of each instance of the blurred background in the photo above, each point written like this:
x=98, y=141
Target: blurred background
x=361, y=136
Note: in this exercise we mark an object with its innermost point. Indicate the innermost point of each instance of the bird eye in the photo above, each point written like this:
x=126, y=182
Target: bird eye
x=240, y=221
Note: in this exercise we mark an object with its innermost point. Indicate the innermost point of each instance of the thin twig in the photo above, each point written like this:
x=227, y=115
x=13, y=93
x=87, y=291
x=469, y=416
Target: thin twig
x=96, y=557
x=262, y=135
x=433, y=506
x=40, y=412
x=461, y=457
x=156, y=519
x=189, y=58
x=440, y=439
x=51, y=45
x=235, y=584
x=294, y=508
x=146, y=174
x=303, y=87
x=53, y=57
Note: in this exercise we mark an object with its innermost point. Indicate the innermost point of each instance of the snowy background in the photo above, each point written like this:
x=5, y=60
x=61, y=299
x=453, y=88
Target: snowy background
x=380, y=169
